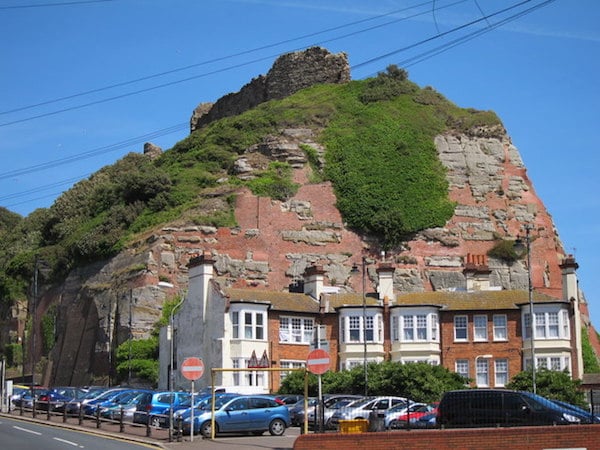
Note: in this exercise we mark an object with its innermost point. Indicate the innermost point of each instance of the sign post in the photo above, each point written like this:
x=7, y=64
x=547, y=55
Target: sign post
x=318, y=363
x=192, y=369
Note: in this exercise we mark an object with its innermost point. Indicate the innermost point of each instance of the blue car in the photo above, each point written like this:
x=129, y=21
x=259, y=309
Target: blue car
x=245, y=413
x=106, y=398
x=155, y=408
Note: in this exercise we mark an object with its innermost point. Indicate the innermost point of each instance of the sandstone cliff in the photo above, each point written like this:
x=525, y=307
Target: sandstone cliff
x=273, y=242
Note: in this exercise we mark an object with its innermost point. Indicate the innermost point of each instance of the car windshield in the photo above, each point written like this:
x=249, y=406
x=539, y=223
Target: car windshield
x=363, y=402
x=539, y=403
x=342, y=403
x=398, y=407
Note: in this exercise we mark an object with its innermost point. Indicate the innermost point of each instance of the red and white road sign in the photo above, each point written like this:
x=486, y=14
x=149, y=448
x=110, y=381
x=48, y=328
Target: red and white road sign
x=192, y=368
x=318, y=361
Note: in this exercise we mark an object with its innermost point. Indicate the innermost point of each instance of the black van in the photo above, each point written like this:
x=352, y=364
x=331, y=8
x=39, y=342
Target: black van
x=502, y=408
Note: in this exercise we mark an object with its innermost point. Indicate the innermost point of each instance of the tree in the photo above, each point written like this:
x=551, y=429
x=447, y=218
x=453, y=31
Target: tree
x=417, y=381
x=552, y=384
x=141, y=357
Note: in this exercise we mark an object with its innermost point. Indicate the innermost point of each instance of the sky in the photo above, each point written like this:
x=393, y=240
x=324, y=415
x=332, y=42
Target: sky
x=86, y=82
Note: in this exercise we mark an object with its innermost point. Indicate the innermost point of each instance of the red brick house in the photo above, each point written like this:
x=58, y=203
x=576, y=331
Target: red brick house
x=480, y=332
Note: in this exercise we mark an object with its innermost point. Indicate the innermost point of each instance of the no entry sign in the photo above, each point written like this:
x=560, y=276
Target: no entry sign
x=192, y=368
x=318, y=361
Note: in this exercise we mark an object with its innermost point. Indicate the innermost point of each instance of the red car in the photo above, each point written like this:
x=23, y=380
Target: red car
x=403, y=419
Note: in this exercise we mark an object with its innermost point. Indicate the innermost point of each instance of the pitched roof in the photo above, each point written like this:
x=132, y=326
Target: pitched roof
x=475, y=300
x=279, y=301
x=453, y=301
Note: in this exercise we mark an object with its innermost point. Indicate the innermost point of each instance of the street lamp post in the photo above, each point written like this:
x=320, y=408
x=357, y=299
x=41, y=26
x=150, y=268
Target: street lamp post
x=519, y=249
x=130, y=336
x=171, y=338
x=364, y=322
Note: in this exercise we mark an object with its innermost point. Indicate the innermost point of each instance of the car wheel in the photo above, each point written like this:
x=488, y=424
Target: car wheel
x=205, y=429
x=277, y=427
x=155, y=421
x=394, y=425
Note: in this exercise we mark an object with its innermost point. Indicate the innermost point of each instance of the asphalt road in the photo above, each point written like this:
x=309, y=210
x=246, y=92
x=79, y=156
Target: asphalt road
x=21, y=432
x=16, y=434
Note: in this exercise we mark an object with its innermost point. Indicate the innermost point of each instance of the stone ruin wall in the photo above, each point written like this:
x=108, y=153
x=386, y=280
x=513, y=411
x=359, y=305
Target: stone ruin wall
x=289, y=74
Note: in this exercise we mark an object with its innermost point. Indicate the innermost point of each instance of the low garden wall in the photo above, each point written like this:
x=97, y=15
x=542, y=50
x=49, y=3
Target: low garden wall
x=564, y=437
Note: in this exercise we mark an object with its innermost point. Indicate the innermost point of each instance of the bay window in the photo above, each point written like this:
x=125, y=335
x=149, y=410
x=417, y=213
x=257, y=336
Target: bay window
x=248, y=325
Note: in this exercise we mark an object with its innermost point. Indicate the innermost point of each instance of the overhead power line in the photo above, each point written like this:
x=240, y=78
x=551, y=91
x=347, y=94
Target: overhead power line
x=95, y=152
x=46, y=5
x=213, y=72
x=214, y=60
x=405, y=63
x=445, y=33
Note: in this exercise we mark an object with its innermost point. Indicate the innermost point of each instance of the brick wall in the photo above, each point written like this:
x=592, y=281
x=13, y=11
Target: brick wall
x=522, y=438
x=470, y=349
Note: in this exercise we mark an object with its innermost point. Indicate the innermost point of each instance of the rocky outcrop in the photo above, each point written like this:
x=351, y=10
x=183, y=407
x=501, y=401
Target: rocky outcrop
x=152, y=151
x=290, y=73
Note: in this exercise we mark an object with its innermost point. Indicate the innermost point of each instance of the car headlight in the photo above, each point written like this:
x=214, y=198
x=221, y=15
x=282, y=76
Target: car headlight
x=571, y=418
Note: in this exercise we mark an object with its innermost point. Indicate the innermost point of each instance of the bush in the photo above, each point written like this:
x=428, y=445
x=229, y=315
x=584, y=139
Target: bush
x=505, y=251
x=552, y=384
x=276, y=182
x=14, y=354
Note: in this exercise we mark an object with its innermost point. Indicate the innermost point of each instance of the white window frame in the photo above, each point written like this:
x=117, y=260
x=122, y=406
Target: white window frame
x=415, y=327
x=289, y=364
x=247, y=378
x=251, y=324
x=352, y=328
x=550, y=361
x=482, y=372
x=461, y=367
x=549, y=324
x=500, y=327
x=465, y=328
x=296, y=330
x=480, y=330
x=501, y=372
x=235, y=325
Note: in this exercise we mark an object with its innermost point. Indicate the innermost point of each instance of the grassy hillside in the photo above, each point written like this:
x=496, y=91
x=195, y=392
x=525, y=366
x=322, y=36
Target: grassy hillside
x=380, y=157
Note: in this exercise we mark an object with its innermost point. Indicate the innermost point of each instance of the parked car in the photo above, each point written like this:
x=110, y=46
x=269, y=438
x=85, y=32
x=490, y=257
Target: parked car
x=328, y=400
x=407, y=418
x=429, y=420
x=155, y=408
x=391, y=415
x=28, y=397
x=107, y=398
x=126, y=401
x=330, y=410
x=128, y=408
x=202, y=404
x=289, y=400
x=578, y=410
x=500, y=408
x=297, y=411
x=244, y=413
x=365, y=408
x=51, y=400
x=75, y=405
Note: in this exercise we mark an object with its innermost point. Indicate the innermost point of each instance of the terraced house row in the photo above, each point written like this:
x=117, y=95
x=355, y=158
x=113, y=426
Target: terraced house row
x=478, y=330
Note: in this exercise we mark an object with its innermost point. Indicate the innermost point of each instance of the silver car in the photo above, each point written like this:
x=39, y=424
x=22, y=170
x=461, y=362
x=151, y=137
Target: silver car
x=364, y=409
x=330, y=410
